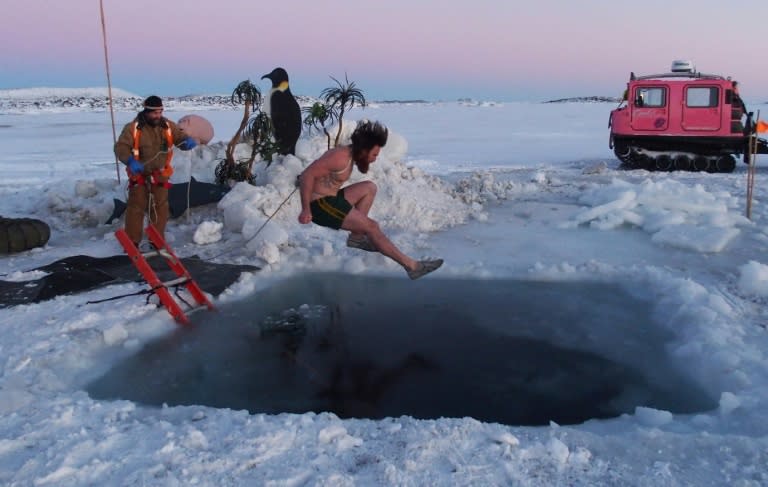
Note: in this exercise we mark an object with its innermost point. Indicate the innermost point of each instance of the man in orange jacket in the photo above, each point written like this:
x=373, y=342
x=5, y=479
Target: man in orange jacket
x=145, y=146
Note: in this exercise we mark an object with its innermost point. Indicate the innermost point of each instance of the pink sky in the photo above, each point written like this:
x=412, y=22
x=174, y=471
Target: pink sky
x=503, y=49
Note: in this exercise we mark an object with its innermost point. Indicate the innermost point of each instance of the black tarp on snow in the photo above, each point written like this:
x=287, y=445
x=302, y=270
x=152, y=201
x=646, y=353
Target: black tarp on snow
x=82, y=272
x=194, y=192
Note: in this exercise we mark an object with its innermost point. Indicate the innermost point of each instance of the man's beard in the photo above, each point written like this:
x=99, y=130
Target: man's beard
x=362, y=166
x=149, y=121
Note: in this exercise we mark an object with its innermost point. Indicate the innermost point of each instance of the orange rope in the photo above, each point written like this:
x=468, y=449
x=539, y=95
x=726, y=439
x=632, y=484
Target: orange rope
x=109, y=85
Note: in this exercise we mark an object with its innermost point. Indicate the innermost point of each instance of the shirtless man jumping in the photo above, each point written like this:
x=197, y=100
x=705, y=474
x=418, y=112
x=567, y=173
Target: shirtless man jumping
x=326, y=203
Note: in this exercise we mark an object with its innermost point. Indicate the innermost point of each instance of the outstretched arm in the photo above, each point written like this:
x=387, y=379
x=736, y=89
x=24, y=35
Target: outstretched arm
x=180, y=138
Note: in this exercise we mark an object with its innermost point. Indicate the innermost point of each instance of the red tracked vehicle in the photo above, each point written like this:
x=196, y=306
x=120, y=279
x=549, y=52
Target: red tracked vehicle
x=682, y=120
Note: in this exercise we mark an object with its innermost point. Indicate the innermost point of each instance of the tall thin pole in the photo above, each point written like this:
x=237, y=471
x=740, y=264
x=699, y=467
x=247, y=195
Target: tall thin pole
x=751, y=168
x=109, y=84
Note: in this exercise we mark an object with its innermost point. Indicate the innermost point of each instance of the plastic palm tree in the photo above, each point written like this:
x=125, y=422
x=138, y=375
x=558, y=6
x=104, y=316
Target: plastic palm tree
x=318, y=117
x=250, y=96
x=341, y=98
x=260, y=130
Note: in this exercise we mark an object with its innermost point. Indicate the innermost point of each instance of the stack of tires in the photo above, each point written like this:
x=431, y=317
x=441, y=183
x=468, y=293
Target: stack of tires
x=19, y=234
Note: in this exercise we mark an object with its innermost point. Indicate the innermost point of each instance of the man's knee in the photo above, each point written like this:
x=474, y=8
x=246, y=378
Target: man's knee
x=134, y=208
x=364, y=189
x=160, y=195
x=370, y=187
x=137, y=200
x=371, y=226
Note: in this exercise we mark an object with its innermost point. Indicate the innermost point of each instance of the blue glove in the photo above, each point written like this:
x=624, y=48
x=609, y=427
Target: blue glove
x=135, y=166
x=188, y=144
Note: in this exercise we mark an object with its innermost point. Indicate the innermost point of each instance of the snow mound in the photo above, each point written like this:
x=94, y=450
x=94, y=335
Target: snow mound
x=678, y=215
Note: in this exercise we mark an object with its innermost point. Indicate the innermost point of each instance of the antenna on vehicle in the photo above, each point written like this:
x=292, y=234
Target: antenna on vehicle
x=683, y=66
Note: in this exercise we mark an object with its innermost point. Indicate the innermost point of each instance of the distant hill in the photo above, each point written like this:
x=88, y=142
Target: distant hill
x=59, y=100
x=587, y=99
x=403, y=102
x=33, y=100
x=46, y=92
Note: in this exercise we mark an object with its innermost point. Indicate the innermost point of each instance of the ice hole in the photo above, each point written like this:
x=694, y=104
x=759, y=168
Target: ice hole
x=516, y=352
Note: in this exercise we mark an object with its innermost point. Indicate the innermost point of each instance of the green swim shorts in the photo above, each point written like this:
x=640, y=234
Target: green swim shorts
x=330, y=211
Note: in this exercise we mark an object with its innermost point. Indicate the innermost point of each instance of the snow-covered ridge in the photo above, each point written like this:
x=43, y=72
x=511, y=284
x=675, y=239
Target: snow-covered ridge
x=52, y=100
x=587, y=99
x=77, y=100
x=47, y=92
x=35, y=100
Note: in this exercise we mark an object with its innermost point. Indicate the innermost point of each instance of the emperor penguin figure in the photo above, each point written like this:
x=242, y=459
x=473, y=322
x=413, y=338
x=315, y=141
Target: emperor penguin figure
x=284, y=111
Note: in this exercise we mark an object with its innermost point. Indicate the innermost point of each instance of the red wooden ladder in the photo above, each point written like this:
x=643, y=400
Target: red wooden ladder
x=156, y=285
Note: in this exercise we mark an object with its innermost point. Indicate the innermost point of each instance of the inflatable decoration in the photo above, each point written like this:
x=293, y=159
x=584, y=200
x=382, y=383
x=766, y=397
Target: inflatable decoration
x=196, y=127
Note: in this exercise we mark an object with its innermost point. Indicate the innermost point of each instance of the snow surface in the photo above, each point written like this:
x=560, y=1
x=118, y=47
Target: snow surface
x=527, y=191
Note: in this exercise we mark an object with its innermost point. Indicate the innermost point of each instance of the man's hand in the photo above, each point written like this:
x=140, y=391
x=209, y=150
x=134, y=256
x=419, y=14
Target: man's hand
x=305, y=216
x=188, y=144
x=135, y=166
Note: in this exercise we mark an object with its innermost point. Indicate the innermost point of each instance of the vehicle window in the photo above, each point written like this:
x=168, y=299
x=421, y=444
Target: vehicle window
x=651, y=97
x=702, y=96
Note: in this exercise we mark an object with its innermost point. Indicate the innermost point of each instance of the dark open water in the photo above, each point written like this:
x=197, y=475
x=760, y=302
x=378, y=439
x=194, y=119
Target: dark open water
x=509, y=351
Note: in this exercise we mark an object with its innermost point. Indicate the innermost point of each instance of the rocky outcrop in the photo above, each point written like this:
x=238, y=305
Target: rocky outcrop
x=586, y=99
x=53, y=102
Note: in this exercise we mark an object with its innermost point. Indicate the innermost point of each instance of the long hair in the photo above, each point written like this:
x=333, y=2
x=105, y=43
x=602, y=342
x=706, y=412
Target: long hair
x=366, y=136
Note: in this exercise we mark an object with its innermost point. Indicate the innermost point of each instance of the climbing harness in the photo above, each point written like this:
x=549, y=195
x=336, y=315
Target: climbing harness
x=167, y=170
x=160, y=177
